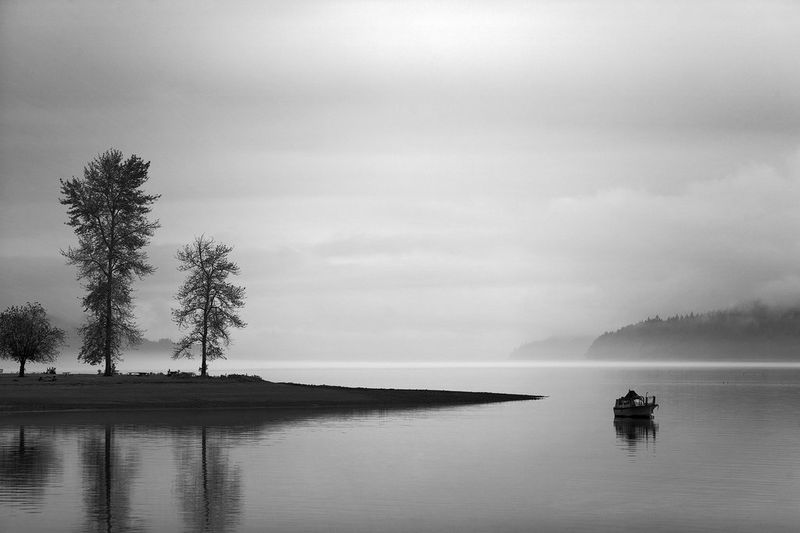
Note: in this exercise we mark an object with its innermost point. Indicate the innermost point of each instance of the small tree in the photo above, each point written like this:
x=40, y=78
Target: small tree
x=27, y=335
x=208, y=303
x=108, y=210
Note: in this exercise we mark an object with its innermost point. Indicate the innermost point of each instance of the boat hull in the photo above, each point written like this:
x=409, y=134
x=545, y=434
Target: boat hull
x=636, y=411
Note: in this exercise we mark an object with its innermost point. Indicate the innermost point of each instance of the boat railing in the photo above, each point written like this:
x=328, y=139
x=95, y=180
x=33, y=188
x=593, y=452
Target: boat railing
x=637, y=401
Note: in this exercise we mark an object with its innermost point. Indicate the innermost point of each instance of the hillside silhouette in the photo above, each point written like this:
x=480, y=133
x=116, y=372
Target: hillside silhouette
x=753, y=333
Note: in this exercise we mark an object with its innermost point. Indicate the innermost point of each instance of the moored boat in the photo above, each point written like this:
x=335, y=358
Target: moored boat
x=633, y=405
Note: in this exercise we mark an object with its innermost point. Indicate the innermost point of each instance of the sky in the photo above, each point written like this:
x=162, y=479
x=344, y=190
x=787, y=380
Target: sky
x=416, y=180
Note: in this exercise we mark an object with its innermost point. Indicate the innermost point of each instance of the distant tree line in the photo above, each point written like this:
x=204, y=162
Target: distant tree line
x=110, y=214
x=756, y=332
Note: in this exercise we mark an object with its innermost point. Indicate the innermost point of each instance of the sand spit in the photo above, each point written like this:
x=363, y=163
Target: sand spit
x=91, y=392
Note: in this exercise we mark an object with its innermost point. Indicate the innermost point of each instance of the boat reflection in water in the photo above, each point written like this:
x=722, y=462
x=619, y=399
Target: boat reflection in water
x=635, y=434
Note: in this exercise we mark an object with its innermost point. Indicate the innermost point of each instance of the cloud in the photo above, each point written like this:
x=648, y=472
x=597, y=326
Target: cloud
x=407, y=179
x=716, y=243
x=360, y=275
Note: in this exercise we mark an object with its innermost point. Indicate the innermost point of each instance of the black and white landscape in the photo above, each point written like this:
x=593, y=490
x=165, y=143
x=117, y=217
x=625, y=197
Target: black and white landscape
x=204, y=201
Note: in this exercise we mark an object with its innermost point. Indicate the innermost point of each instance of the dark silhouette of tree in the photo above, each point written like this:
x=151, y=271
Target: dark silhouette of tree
x=209, y=488
x=208, y=303
x=27, y=335
x=27, y=464
x=108, y=210
x=108, y=474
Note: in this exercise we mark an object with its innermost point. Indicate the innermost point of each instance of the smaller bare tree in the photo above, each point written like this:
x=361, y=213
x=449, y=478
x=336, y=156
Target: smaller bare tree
x=27, y=335
x=208, y=303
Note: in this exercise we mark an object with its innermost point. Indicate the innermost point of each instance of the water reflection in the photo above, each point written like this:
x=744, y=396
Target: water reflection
x=108, y=469
x=28, y=463
x=209, y=487
x=635, y=434
x=503, y=467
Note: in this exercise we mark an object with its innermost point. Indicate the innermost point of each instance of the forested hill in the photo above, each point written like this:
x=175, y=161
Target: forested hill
x=755, y=333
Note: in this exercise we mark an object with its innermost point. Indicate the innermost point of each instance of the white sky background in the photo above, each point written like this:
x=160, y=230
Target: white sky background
x=417, y=180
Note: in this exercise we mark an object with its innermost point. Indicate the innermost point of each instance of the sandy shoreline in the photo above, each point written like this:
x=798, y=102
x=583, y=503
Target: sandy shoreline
x=91, y=392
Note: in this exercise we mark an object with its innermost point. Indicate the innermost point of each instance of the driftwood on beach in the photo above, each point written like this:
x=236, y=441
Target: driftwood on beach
x=88, y=392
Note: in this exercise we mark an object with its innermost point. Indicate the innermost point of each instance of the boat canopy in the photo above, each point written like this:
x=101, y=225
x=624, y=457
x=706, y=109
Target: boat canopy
x=631, y=395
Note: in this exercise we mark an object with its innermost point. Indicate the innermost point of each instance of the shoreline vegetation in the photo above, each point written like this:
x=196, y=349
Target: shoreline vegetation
x=74, y=392
x=757, y=332
x=752, y=333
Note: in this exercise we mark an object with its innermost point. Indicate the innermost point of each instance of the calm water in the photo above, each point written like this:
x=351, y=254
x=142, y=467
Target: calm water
x=722, y=455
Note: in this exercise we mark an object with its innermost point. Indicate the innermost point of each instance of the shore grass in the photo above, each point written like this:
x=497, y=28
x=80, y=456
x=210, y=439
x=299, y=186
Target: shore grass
x=38, y=392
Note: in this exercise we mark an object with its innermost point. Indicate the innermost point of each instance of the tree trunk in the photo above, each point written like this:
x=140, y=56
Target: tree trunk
x=205, y=341
x=107, y=340
x=203, y=366
x=22, y=367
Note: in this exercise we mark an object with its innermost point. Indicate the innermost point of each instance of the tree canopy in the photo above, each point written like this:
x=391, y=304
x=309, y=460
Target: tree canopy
x=207, y=302
x=27, y=335
x=109, y=212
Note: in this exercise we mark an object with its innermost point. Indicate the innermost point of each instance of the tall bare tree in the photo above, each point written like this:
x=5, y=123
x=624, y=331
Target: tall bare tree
x=27, y=335
x=208, y=303
x=108, y=210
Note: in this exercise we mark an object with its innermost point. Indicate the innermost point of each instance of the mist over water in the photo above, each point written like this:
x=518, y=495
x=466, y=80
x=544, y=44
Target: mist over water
x=720, y=455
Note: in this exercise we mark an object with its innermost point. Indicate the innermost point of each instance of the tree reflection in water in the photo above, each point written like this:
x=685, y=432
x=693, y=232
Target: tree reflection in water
x=28, y=463
x=209, y=488
x=108, y=472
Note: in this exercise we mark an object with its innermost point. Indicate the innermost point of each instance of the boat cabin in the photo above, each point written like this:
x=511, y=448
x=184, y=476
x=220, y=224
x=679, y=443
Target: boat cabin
x=634, y=400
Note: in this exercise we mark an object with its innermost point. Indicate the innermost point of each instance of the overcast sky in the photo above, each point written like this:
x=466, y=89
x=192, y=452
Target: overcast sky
x=417, y=180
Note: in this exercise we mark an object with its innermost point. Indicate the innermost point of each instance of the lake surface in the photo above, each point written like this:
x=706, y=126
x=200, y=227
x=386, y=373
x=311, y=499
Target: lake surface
x=723, y=454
